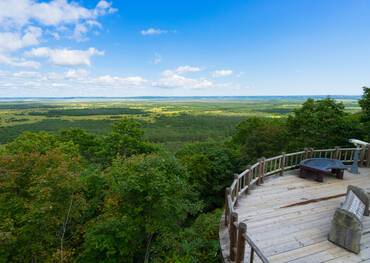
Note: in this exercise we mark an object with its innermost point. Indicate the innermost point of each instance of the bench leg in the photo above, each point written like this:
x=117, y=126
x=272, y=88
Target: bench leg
x=338, y=173
x=319, y=178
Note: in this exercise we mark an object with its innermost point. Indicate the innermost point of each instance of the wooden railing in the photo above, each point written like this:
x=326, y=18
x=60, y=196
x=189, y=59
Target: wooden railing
x=254, y=175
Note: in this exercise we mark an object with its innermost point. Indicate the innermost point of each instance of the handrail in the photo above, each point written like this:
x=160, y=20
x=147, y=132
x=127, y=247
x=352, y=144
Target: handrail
x=254, y=175
x=255, y=249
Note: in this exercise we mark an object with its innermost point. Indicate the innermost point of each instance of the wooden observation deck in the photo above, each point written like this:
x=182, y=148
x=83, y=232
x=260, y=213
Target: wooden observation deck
x=272, y=215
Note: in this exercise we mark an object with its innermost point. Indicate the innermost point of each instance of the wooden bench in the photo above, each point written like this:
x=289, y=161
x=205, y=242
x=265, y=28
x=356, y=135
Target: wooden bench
x=322, y=166
x=346, y=226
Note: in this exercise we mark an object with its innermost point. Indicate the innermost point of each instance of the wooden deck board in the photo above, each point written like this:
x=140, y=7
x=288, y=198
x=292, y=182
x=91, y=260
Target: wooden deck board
x=298, y=234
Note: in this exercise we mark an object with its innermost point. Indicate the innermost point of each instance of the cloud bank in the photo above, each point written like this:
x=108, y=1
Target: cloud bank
x=222, y=73
x=27, y=23
x=65, y=57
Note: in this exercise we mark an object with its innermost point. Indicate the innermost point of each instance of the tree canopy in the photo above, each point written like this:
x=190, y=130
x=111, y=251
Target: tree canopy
x=365, y=104
x=147, y=199
x=321, y=123
x=40, y=206
x=259, y=137
x=210, y=168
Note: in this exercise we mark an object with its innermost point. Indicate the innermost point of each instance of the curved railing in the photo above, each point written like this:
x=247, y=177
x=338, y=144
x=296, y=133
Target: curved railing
x=254, y=175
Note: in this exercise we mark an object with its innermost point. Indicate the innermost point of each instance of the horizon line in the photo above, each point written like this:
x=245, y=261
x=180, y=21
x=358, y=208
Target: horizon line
x=195, y=96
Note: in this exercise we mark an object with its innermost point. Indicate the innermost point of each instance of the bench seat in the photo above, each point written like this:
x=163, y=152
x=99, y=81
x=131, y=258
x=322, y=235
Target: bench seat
x=346, y=226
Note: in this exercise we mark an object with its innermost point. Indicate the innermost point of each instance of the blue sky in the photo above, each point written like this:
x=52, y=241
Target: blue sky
x=182, y=48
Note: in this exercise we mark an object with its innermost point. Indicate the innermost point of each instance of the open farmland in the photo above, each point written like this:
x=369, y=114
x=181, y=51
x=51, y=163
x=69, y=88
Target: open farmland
x=170, y=122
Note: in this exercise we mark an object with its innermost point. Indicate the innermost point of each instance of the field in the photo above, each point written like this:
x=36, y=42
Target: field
x=170, y=122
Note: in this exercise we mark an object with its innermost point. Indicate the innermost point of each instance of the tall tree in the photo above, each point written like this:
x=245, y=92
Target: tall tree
x=258, y=137
x=365, y=103
x=126, y=139
x=210, y=169
x=40, y=206
x=147, y=197
x=89, y=145
x=321, y=123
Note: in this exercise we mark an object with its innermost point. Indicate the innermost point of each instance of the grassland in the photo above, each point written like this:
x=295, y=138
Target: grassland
x=170, y=122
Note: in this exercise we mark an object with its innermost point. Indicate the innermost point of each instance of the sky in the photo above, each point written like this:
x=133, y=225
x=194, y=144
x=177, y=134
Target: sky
x=111, y=48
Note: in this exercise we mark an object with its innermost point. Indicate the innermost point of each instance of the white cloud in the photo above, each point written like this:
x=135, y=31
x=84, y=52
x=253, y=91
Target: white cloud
x=79, y=82
x=61, y=18
x=111, y=81
x=23, y=22
x=181, y=70
x=76, y=73
x=72, y=83
x=18, y=62
x=177, y=81
x=53, y=34
x=11, y=41
x=153, y=31
x=79, y=32
x=54, y=13
x=187, y=69
x=65, y=57
x=104, y=7
x=26, y=74
x=173, y=79
x=93, y=23
x=222, y=73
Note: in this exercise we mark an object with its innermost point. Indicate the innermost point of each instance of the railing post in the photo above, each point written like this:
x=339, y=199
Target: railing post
x=236, y=178
x=368, y=156
x=227, y=208
x=306, y=153
x=233, y=234
x=261, y=170
x=356, y=158
x=240, y=246
x=362, y=156
x=312, y=152
x=249, y=179
x=337, y=153
x=282, y=165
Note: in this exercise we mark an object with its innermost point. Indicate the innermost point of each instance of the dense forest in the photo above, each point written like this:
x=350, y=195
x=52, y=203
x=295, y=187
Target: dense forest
x=76, y=196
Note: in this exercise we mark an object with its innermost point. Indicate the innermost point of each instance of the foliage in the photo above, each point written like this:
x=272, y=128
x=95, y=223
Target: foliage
x=9, y=133
x=365, y=116
x=210, y=169
x=195, y=244
x=175, y=131
x=40, y=142
x=126, y=139
x=88, y=144
x=321, y=124
x=365, y=103
x=40, y=193
x=87, y=112
x=22, y=105
x=147, y=196
x=257, y=137
x=281, y=111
